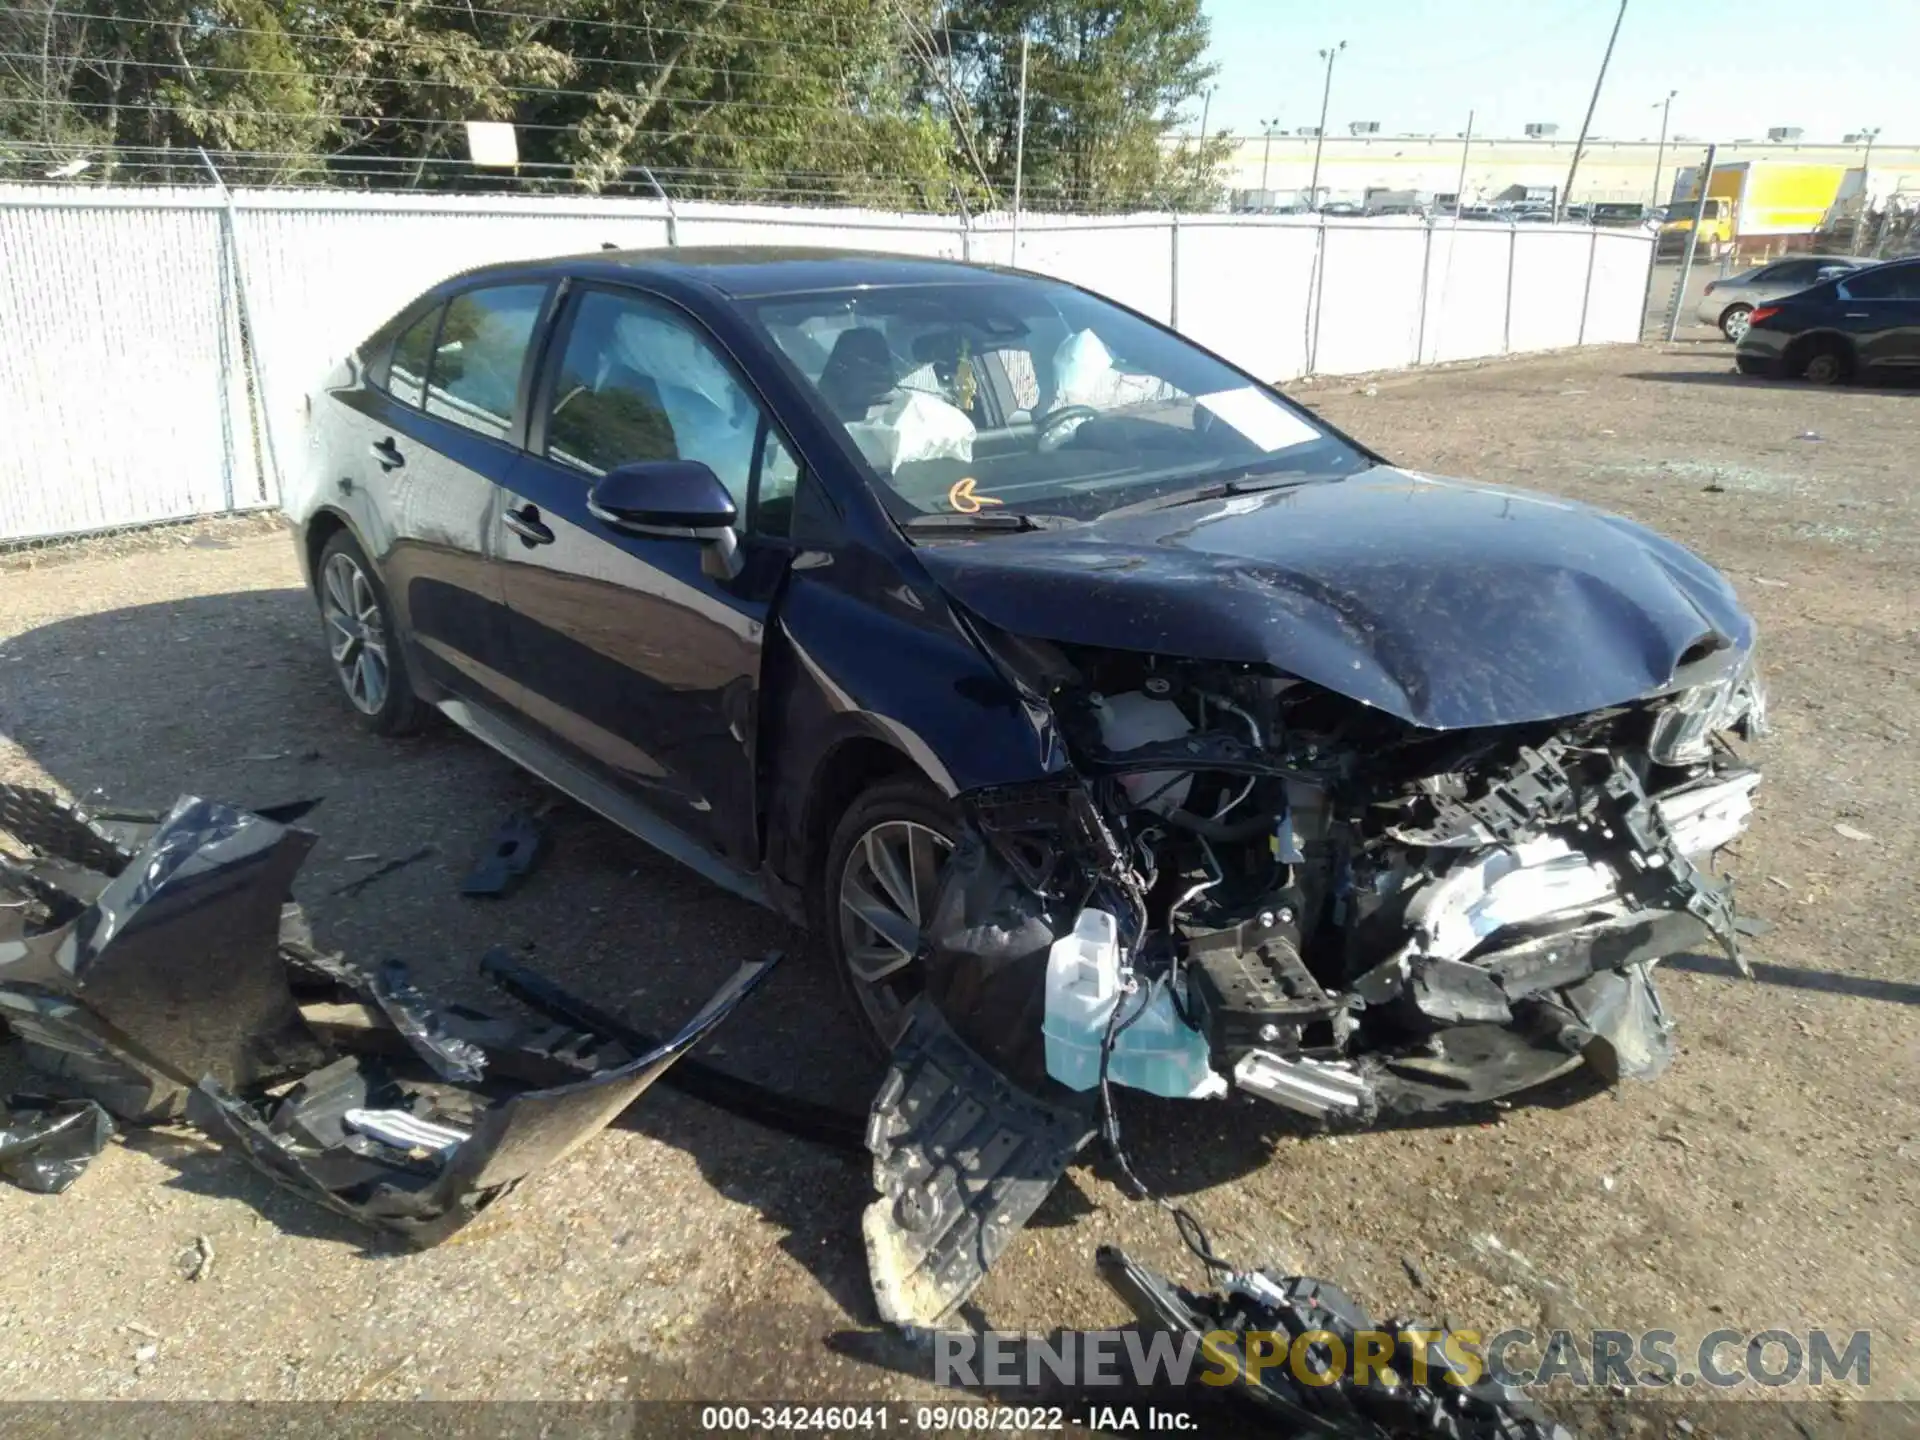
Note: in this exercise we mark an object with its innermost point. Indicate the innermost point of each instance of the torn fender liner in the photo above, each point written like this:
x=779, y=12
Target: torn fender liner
x=1631, y=1035
x=961, y=1159
x=1390, y=1401
x=173, y=959
x=421, y=1193
x=46, y=1145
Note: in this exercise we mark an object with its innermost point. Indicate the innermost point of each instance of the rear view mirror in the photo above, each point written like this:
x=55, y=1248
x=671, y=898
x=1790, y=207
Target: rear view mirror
x=671, y=499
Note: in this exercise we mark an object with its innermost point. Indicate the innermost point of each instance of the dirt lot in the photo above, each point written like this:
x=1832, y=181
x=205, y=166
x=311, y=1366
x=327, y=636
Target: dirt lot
x=1772, y=1178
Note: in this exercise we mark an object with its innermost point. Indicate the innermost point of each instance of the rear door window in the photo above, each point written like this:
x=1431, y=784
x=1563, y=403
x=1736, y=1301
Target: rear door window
x=478, y=357
x=1889, y=282
x=407, y=371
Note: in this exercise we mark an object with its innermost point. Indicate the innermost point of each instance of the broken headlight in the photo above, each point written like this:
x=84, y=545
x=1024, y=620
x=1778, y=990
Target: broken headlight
x=1683, y=731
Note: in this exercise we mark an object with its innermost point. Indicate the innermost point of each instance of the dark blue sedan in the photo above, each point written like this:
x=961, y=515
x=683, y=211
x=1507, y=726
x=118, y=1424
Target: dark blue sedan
x=1863, y=323
x=1013, y=643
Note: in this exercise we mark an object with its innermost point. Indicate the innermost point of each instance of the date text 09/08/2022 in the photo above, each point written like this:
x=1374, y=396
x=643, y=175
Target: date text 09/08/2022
x=849, y=1419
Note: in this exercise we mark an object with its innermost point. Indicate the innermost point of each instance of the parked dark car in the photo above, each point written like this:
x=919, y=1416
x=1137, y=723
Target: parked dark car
x=1850, y=325
x=937, y=605
x=1730, y=300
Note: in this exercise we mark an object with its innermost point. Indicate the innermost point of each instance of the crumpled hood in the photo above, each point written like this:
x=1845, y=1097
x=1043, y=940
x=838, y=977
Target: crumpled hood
x=1446, y=603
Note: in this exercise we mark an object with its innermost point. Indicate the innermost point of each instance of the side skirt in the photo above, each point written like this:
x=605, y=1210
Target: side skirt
x=578, y=784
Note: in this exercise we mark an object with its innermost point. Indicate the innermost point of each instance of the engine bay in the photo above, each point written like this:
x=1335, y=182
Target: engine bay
x=1270, y=885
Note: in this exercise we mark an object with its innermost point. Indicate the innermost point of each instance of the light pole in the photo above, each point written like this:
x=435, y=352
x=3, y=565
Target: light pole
x=1460, y=188
x=1866, y=160
x=1206, y=104
x=1665, y=108
x=1566, y=197
x=1320, y=135
x=1266, y=155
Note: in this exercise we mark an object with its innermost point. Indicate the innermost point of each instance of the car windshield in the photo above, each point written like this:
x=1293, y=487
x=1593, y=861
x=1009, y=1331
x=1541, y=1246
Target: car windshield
x=1019, y=396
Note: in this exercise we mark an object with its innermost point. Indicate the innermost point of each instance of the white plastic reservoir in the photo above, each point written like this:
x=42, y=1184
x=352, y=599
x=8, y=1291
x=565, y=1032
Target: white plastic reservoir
x=1158, y=1052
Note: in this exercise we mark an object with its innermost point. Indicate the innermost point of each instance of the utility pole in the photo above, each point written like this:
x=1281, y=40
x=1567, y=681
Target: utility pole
x=1206, y=104
x=1320, y=135
x=1266, y=157
x=1560, y=206
x=1019, y=151
x=1866, y=160
x=1460, y=190
x=1660, y=151
x=1693, y=242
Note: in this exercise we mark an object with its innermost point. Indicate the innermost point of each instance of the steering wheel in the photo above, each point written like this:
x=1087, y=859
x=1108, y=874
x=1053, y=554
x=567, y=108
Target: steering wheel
x=1051, y=423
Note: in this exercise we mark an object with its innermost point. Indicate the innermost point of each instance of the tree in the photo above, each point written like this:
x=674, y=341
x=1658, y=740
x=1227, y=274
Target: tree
x=137, y=88
x=892, y=103
x=748, y=100
x=1107, y=84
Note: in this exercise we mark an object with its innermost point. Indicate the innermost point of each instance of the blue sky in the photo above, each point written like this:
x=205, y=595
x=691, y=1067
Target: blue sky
x=1418, y=66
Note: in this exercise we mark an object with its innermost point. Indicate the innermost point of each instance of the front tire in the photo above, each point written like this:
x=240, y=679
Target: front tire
x=1733, y=324
x=877, y=892
x=362, y=640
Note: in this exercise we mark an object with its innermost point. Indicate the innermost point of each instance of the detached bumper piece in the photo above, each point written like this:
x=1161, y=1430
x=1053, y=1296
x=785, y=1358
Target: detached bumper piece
x=420, y=1164
x=961, y=1159
x=131, y=973
x=153, y=965
x=1281, y=1309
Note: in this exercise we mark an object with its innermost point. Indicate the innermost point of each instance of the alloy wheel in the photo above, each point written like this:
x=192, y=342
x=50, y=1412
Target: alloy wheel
x=1824, y=368
x=356, y=633
x=1734, y=324
x=886, y=894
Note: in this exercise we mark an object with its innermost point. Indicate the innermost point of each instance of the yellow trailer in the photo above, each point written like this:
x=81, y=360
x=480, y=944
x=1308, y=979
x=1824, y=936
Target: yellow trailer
x=1752, y=205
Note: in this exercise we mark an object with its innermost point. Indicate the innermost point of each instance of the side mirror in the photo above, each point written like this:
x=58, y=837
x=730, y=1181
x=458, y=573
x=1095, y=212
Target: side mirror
x=671, y=499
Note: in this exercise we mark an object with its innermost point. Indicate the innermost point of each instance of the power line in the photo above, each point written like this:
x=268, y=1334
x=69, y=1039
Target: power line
x=297, y=72
x=399, y=45
x=733, y=7
x=411, y=81
x=620, y=26
x=257, y=160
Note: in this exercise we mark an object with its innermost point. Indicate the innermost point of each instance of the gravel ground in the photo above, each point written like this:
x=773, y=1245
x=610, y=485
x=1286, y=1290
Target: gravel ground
x=1769, y=1179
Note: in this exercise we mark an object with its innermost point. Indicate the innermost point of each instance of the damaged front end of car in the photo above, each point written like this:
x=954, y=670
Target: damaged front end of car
x=1255, y=883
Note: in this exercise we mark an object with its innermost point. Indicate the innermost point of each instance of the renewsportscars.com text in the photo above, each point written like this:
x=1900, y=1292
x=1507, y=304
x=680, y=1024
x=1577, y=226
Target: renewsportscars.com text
x=1653, y=1359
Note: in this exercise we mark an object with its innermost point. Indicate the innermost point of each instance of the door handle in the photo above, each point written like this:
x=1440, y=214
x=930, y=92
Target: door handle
x=1855, y=315
x=388, y=454
x=527, y=524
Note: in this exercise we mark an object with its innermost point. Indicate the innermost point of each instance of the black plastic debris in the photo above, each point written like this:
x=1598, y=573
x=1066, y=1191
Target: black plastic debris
x=46, y=1145
x=1421, y=1393
x=961, y=1159
x=516, y=847
x=144, y=973
x=413, y=1015
x=359, y=883
x=791, y=1114
x=361, y=1141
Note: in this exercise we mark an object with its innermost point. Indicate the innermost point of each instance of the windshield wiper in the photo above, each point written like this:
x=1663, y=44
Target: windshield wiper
x=1215, y=490
x=982, y=520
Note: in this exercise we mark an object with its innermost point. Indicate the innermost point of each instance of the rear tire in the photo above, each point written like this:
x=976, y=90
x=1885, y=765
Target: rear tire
x=1827, y=363
x=362, y=641
x=876, y=891
x=1733, y=324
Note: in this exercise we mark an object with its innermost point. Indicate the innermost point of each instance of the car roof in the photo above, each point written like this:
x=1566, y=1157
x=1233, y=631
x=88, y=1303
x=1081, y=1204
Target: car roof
x=752, y=271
